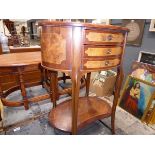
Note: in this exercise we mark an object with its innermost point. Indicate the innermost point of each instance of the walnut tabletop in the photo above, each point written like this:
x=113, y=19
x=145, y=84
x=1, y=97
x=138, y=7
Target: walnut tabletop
x=20, y=59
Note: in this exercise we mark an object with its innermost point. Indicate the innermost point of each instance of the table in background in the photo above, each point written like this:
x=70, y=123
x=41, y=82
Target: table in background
x=24, y=49
x=17, y=72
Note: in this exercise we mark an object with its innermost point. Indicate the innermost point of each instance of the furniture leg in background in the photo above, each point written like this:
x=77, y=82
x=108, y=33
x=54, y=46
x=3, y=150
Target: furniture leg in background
x=54, y=87
x=23, y=89
x=88, y=83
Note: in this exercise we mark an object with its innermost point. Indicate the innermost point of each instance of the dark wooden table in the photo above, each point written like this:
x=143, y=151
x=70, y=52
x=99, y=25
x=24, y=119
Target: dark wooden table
x=21, y=65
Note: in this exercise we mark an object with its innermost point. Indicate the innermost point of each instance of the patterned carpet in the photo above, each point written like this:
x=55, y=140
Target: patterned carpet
x=35, y=120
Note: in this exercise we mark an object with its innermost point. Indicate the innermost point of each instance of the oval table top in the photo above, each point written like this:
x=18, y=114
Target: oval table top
x=20, y=59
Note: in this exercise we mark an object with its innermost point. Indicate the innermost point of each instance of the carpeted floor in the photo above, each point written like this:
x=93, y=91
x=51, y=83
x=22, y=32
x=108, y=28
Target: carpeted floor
x=34, y=121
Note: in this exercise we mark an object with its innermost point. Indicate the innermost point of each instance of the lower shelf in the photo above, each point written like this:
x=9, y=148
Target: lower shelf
x=89, y=109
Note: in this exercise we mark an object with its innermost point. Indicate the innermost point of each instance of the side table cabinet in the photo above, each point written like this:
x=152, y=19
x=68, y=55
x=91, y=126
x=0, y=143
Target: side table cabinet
x=78, y=49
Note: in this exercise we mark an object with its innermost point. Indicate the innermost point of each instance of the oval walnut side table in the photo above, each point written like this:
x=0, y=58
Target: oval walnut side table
x=78, y=49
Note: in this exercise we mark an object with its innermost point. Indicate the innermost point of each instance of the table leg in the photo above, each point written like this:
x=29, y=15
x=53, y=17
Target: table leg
x=88, y=83
x=23, y=89
x=75, y=100
x=119, y=80
x=54, y=87
x=43, y=78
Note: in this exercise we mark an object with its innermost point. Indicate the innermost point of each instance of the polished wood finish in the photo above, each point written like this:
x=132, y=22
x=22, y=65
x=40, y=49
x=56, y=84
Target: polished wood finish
x=24, y=49
x=77, y=49
x=88, y=64
x=84, y=25
x=54, y=46
x=88, y=111
x=100, y=51
x=102, y=37
x=19, y=66
x=9, y=64
x=19, y=59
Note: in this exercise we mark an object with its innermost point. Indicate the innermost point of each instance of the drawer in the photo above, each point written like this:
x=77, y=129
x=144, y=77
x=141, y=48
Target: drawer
x=32, y=76
x=103, y=37
x=8, y=78
x=97, y=64
x=101, y=51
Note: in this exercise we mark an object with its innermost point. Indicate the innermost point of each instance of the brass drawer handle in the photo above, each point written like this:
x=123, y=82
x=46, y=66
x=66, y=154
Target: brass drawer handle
x=110, y=37
x=108, y=51
x=107, y=63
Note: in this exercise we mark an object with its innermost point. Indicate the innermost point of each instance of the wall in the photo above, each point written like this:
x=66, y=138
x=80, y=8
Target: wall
x=132, y=52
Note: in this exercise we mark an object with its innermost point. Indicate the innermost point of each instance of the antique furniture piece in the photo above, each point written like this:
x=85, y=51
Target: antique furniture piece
x=78, y=49
x=19, y=71
x=14, y=60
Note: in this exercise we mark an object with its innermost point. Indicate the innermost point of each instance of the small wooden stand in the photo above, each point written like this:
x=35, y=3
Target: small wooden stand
x=79, y=49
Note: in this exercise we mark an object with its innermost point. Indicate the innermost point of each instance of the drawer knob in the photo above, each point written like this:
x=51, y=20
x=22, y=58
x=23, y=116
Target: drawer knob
x=108, y=51
x=110, y=37
x=106, y=63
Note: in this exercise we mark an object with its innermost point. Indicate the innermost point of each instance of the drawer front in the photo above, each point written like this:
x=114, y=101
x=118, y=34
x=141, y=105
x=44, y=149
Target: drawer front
x=89, y=64
x=93, y=36
x=101, y=51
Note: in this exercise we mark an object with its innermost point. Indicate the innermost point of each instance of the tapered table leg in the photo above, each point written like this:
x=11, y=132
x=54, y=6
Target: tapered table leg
x=23, y=89
x=54, y=87
x=75, y=100
x=119, y=80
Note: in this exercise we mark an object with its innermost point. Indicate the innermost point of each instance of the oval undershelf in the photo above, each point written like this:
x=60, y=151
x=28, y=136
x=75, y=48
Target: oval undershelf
x=89, y=109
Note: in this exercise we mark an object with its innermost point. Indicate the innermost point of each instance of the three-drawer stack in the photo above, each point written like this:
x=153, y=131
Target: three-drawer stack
x=105, y=48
